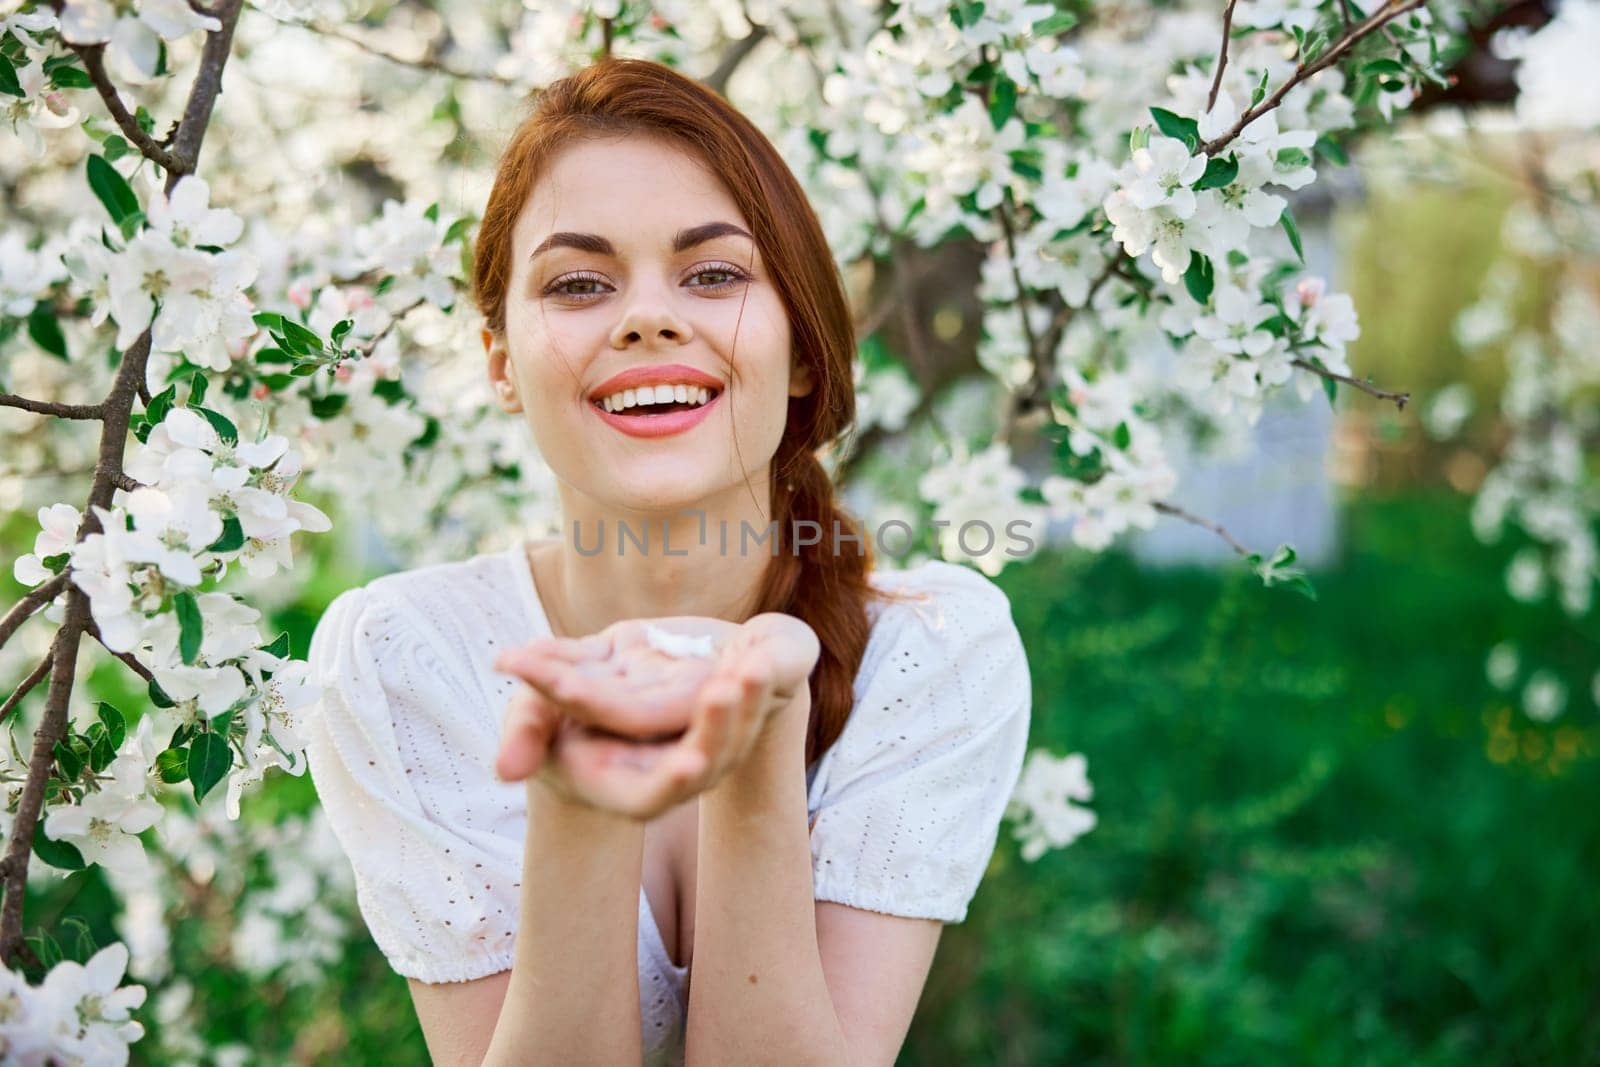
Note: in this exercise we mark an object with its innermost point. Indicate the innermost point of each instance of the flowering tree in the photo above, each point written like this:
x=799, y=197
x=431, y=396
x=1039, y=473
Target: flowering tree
x=1123, y=169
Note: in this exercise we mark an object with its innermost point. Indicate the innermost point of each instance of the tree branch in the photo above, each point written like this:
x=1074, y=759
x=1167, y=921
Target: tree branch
x=115, y=414
x=1391, y=10
x=202, y=98
x=64, y=649
x=31, y=602
x=27, y=684
x=741, y=49
x=93, y=630
x=1190, y=517
x=427, y=63
x=93, y=56
x=1399, y=399
x=1222, y=55
x=47, y=407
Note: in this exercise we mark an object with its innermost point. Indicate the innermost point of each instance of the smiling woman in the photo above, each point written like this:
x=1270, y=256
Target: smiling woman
x=788, y=820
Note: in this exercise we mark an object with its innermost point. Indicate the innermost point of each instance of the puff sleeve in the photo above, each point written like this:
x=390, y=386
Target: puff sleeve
x=439, y=896
x=909, y=800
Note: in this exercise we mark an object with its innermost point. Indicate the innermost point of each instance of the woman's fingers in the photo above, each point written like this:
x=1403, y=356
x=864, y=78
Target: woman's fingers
x=525, y=738
x=600, y=695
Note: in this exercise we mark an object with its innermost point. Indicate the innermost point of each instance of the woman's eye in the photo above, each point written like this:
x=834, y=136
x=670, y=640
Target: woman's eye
x=722, y=278
x=732, y=277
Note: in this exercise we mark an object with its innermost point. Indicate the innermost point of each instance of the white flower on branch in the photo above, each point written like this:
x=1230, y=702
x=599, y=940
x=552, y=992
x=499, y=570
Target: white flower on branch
x=84, y=1008
x=105, y=824
x=58, y=530
x=1043, y=802
x=1234, y=324
x=187, y=219
x=134, y=37
x=38, y=108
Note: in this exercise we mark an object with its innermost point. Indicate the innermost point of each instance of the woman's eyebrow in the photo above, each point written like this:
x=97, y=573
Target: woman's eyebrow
x=683, y=240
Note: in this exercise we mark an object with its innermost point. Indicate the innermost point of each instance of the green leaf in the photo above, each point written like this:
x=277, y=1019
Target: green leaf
x=116, y=725
x=279, y=646
x=295, y=333
x=1219, y=172
x=197, y=389
x=340, y=329
x=1287, y=220
x=146, y=121
x=8, y=79
x=221, y=423
x=1173, y=125
x=391, y=389
x=1004, y=103
x=57, y=562
x=101, y=753
x=160, y=404
x=1330, y=387
x=173, y=765
x=1290, y=159
x=432, y=212
x=67, y=77
x=1330, y=150
x=1060, y=22
x=1138, y=138
x=1199, y=278
x=62, y=854
x=67, y=760
x=115, y=148
x=1259, y=93
x=1383, y=66
x=209, y=761
x=158, y=695
x=112, y=189
x=1122, y=437
x=325, y=407
x=232, y=536
x=269, y=320
x=190, y=627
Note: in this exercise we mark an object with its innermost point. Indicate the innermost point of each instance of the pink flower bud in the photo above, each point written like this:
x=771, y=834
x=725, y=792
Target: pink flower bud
x=1309, y=290
x=357, y=297
x=342, y=372
x=300, y=294
x=260, y=391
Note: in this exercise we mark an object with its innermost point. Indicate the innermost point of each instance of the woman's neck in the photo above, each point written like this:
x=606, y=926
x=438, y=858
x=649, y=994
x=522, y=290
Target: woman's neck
x=606, y=570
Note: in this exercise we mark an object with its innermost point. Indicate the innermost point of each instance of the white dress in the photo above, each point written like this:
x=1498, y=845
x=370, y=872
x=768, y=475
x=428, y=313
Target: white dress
x=906, y=804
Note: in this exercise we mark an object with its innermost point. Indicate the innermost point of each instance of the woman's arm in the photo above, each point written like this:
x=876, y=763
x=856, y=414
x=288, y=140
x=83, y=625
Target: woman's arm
x=767, y=972
x=571, y=995
x=573, y=992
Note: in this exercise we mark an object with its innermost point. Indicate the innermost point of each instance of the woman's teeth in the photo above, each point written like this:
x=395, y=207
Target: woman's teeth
x=659, y=399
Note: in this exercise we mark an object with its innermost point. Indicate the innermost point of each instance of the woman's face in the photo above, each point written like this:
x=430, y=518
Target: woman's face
x=630, y=255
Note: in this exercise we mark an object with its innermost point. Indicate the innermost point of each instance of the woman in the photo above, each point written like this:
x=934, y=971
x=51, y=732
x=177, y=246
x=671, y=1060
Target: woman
x=556, y=810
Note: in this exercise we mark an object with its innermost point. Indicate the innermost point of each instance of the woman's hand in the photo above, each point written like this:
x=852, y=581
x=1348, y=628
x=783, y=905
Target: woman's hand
x=612, y=722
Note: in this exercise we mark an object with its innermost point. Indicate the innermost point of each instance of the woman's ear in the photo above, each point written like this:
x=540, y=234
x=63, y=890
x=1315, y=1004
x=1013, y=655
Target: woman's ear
x=500, y=380
x=801, y=383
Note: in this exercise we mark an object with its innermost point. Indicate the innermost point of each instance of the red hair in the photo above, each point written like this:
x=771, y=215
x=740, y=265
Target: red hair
x=826, y=588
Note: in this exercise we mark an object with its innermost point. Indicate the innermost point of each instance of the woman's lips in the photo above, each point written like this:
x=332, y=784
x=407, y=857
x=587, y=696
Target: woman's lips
x=659, y=425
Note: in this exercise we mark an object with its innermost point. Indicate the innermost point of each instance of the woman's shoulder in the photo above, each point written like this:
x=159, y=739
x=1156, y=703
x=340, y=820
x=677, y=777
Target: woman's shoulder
x=456, y=610
x=934, y=597
x=945, y=638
